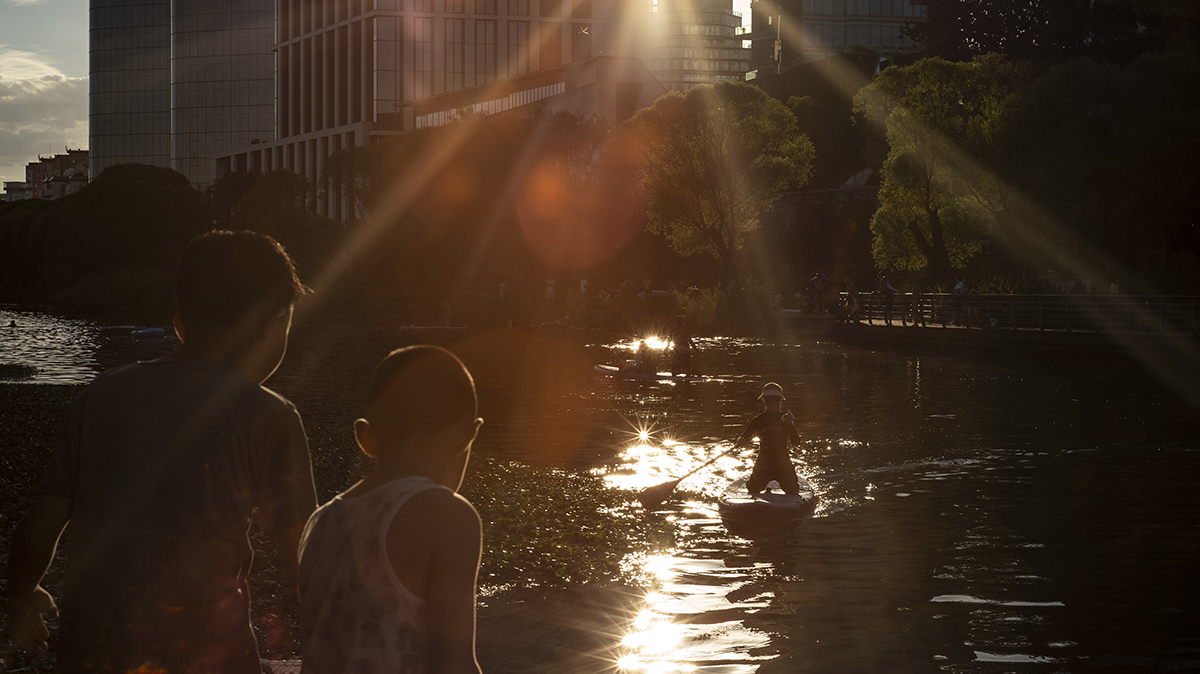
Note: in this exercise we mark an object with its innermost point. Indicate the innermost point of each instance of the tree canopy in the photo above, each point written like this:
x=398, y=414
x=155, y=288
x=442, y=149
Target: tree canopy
x=710, y=162
x=940, y=184
x=110, y=247
x=1053, y=30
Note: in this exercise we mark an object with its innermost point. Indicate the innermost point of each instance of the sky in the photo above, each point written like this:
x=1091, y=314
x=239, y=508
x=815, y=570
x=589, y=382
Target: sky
x=43, y=79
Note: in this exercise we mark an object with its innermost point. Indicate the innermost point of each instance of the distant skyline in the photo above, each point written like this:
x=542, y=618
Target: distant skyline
x=44, y=79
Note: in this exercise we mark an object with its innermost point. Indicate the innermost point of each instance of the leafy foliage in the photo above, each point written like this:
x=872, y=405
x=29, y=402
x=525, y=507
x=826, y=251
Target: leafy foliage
x=946, y=125
x=1107, y=177
x=225, y=192
x=711, y=162
x=1056, y=31
x=111, y=247
x=837, y=136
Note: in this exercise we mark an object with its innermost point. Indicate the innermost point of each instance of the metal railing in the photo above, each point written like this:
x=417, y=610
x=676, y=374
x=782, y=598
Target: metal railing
x=1138, y=314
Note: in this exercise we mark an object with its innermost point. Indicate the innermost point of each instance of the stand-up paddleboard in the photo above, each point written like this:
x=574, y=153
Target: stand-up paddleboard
x=771, y=513
x=646, y=376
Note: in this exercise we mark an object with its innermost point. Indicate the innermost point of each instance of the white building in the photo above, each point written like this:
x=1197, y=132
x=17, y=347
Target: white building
x=348, y=74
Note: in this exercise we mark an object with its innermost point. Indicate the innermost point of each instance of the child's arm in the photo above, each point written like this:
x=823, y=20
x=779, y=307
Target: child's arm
x=454, y=568
x=33, y=545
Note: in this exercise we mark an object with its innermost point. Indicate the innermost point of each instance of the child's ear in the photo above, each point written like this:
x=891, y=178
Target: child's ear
x=362, y=434
x=179, y=331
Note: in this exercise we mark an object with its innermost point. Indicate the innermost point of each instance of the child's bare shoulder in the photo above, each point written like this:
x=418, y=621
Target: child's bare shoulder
x=441, y=511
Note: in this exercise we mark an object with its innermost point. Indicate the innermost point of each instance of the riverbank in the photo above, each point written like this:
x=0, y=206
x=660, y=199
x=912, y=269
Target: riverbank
x=552, y=587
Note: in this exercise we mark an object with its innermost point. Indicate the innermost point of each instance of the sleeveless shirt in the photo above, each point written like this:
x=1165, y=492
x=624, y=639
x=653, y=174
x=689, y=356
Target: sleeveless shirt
x=355, y=614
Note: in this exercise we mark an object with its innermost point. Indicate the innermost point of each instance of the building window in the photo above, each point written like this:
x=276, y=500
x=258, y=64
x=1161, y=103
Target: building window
x=518, y=48
x=485, y=7
x=518, y=7
x=422, y=57
x=455, y=68
x=550, y=39
x=485, y=51
x=456, y=6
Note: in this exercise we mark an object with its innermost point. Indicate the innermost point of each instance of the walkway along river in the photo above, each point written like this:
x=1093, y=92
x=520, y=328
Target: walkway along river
x=986, y=512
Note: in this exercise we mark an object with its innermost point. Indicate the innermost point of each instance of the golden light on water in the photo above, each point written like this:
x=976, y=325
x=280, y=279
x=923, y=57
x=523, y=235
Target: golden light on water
x=653, y=341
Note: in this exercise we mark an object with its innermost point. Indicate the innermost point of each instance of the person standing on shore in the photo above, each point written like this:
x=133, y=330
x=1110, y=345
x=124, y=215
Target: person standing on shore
x=159, y=468
x=889, y=298
x=388, y=568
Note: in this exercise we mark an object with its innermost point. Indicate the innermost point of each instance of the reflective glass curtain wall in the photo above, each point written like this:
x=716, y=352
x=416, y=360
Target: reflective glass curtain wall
x=222, y=80
x=129, y=104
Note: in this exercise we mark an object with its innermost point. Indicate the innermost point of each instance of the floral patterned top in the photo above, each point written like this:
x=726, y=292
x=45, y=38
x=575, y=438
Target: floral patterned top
x=355, y=615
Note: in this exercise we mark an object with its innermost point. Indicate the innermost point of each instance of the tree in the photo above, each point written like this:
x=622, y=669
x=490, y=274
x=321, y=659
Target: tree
x=278, y=206
x=711, y=162
x=225, y=192
x=944, y=178
x=1105, y=165
x=1055, y=30
x=838, y=141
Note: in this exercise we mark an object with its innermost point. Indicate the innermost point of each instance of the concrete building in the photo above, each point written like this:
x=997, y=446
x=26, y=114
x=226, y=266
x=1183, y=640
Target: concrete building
x=15, y=190
x=222, y=80
x=693, y=42
x=129, y=98
x=787, y=33
x=58, y=175
x=347, y=75
x=36, y=175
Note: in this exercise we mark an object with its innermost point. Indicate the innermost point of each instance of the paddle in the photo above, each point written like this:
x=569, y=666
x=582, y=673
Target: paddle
x=652, y=497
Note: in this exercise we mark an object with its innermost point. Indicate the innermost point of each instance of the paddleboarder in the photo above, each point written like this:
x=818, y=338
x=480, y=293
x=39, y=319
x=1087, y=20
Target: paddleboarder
x=774, y=429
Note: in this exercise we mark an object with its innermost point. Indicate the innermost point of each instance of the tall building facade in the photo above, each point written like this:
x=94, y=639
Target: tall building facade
x=222, y=80
x=786, y=33
x=129, y=103
x=173, y=82
x=694, y=42
x=352, y=71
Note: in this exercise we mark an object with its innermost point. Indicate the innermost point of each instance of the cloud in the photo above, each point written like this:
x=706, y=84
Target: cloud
x=41, y=110
x=20, y=3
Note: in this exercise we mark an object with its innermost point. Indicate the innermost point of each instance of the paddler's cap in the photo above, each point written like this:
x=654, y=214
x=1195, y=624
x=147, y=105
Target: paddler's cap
x=771, y=389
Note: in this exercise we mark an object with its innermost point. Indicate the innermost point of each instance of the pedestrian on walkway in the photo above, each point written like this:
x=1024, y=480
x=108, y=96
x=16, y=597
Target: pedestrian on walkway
x=889, y=294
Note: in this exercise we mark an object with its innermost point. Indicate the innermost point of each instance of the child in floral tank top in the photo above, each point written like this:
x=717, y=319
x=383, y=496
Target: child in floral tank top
x=388, y=568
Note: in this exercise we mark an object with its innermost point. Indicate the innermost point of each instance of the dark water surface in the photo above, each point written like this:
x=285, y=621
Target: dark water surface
x=977, y=514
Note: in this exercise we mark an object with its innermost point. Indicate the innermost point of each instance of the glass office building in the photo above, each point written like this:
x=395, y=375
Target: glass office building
x=222, y=80
x=823, y=28
x=129, y=106
x=695, y=42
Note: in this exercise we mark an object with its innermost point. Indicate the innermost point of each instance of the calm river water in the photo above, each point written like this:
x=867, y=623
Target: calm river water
x=977, y=515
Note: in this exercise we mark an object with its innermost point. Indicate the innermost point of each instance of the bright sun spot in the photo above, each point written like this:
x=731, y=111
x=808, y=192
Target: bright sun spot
x=659, y=567
x=657, y=638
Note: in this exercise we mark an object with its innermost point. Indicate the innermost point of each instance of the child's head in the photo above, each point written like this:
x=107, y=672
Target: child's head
x=422, y=400
x=234, y=292
x=226, y=277
x=771, y=396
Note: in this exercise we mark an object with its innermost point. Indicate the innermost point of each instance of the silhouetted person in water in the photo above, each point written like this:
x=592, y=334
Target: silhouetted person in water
x=774, y=429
